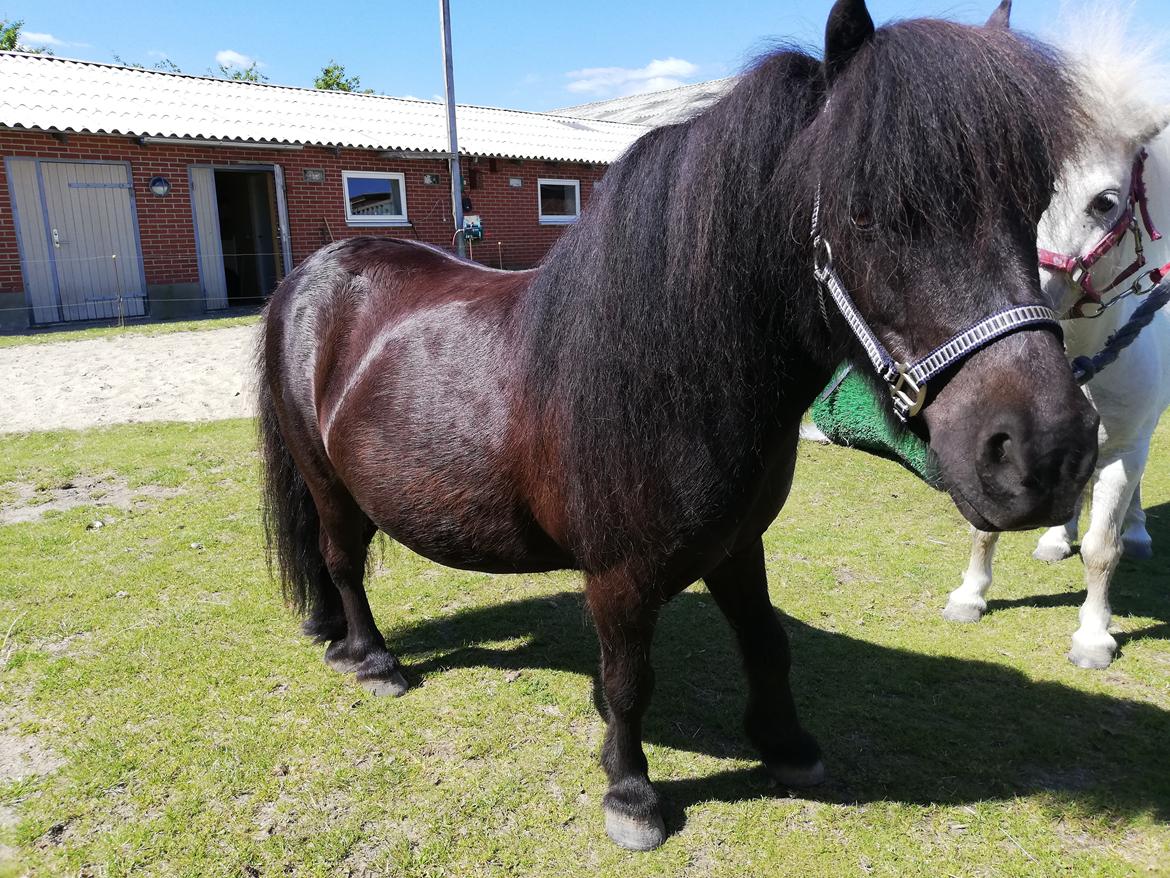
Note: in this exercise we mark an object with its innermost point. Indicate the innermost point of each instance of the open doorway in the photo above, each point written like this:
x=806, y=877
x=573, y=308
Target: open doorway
x=241, y=238
x=248, y=234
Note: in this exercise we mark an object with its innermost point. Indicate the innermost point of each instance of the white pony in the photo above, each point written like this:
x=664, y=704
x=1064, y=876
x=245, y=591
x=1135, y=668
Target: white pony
x=1093, y=194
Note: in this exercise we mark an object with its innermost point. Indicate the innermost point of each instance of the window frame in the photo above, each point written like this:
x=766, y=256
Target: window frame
x=402, y=219
x=557, y=220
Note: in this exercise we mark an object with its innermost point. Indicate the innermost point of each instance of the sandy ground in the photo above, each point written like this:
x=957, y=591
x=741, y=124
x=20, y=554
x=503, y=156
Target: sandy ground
x=181, y=376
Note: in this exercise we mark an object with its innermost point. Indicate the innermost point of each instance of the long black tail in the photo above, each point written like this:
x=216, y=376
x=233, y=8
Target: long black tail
x=291, y=525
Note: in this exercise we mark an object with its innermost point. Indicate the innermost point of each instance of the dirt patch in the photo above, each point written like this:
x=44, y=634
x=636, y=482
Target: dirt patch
x=30, y=503
x=180, y=376
x=22, y=756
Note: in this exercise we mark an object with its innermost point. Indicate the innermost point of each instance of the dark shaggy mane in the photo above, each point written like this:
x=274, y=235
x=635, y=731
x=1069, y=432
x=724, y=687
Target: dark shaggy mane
x=905, y=135
x=692, y=260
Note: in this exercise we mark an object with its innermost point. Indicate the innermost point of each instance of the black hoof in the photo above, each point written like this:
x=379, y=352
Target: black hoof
x=796, y=762
x=338, y=657
x=798, y=776
x=379, y=674
x=632, y=833
x=633, y=816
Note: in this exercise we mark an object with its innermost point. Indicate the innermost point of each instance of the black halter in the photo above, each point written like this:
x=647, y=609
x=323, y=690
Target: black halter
x=908, y=381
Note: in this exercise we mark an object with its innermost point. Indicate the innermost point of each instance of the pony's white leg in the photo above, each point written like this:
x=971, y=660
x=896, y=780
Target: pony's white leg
x=1135, y=539
x=966, y=603
x=1057, y=542
x=1092, y=644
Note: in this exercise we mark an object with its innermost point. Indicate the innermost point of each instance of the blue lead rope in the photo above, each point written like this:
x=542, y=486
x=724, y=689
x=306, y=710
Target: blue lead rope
x=1086, y=368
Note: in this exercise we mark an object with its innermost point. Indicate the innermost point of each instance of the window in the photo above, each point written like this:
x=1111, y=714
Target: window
x=560, y=200
x=373, y=198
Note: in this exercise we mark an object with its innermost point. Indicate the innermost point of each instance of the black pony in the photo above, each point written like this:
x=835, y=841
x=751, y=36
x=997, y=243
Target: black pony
x=631, y=407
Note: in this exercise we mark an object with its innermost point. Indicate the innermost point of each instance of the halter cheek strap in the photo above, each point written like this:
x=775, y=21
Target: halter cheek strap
x=908, y=382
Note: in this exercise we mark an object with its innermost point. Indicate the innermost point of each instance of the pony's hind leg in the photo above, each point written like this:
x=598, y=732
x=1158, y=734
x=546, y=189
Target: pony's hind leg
x=345, y=542
x=624, y=616
x=1135, y=539
x=326, y=620
x=968, y=602
x=740, y=588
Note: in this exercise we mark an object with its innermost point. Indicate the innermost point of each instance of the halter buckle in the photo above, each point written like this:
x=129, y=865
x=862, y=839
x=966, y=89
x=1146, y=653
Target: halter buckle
x=822, y=255
x=909, y=396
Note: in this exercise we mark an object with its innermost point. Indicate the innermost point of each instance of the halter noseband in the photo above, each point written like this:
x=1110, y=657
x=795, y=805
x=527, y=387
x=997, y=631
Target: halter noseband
x=908, y=381
x=1079, y=268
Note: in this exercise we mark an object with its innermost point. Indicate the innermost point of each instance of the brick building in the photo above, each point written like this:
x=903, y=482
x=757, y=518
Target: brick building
x=129, y=191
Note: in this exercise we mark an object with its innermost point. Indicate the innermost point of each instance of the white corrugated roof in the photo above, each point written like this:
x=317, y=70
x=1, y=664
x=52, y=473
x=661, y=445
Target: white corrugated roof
x=656, y=107
x=59, y=94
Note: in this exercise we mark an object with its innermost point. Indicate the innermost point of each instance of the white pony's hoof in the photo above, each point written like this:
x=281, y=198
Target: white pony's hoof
x=964, y=609
x=1137, y=550
x=1092, y=650
x=1052, y=552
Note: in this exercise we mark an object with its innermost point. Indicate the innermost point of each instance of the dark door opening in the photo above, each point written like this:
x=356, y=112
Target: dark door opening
x=252, y=260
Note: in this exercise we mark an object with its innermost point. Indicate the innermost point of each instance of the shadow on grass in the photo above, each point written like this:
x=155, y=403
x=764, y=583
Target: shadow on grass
x=1139, y=588
x=896, y=726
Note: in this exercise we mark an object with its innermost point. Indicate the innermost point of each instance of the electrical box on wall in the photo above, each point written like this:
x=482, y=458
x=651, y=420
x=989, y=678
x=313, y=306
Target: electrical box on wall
x=515, y=182
x=472, y=228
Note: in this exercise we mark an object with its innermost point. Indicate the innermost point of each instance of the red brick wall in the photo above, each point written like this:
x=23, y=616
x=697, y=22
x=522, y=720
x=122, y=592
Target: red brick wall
x=513, y=234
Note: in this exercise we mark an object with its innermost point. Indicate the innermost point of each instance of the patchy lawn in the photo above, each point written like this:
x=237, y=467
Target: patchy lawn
x=160, y=713
x=155, y=327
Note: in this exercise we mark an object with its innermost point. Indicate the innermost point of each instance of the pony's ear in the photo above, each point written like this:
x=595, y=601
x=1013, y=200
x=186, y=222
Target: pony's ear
x=1002, y=17
x=1158, y=122
x=848, y=29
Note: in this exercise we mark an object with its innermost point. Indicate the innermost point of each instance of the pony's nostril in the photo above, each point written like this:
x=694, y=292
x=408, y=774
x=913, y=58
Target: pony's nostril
x=999, y=447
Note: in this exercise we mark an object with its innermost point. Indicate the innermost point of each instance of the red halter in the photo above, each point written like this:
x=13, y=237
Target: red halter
x=1078, y=267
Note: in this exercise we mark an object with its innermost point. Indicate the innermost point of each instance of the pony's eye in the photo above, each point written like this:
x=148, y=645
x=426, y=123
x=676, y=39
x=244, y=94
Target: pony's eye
x=862, y=220
x=1104, y=203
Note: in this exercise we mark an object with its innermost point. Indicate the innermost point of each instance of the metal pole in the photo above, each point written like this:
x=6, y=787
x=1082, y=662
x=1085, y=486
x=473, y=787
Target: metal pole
x=452, y=136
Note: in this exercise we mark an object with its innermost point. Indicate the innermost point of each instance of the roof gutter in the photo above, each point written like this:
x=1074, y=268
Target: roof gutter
x=189, y=141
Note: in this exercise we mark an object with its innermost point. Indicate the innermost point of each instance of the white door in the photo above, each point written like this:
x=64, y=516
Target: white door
x=207, y=242
x=93, y=235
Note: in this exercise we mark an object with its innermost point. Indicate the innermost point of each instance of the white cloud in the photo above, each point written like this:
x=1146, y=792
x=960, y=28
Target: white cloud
x=232, y=58
x=32, y=38
x=622, y=81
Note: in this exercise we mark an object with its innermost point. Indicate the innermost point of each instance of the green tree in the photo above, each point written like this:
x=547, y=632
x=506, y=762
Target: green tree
x=243, y=74
x=333, y=78
x=166, y=65
x=10, y=39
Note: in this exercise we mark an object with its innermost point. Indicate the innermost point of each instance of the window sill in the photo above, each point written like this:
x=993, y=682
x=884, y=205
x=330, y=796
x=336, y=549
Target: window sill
x=558, y=220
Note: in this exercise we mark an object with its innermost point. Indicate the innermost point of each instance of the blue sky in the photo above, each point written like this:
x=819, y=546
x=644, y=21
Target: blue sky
x=514, y=53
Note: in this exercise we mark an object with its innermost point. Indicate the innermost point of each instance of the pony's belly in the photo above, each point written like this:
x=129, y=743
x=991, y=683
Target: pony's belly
x=471, y=525
x=443, y=489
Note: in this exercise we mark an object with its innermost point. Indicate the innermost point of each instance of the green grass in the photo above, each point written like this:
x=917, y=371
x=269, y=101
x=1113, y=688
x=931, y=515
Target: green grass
x=161, y=327
x=203, y=736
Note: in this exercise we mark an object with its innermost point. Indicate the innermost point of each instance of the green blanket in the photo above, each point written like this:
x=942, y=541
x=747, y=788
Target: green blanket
x=849, y=413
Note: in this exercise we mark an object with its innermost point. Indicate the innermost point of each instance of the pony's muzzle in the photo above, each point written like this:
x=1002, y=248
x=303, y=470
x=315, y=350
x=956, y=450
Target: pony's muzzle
x=1034, y=473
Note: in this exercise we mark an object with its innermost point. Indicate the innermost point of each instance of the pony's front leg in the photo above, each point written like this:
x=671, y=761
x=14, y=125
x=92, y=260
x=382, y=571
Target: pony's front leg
x=624, y=612
x=967, y=603
x=740, y=587
x=1135, y=539
x=1092, y=644
x=1057, y=542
